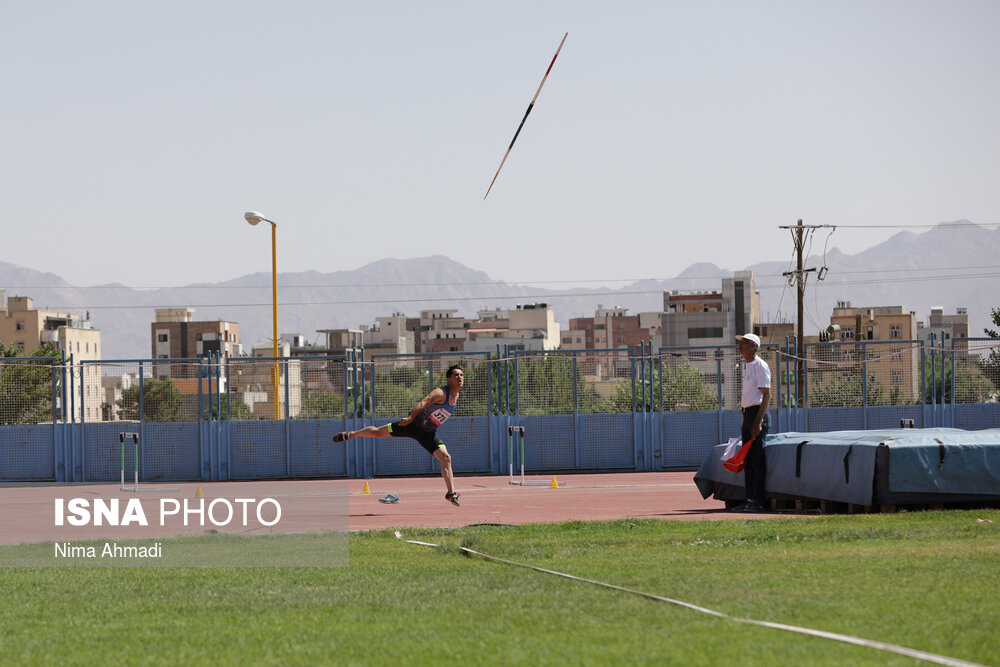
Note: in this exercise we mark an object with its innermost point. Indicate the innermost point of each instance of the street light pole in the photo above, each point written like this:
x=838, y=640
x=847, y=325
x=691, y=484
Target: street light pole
x=253, y=217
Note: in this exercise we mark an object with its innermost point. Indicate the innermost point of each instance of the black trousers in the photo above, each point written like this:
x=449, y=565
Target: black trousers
x=755, y=472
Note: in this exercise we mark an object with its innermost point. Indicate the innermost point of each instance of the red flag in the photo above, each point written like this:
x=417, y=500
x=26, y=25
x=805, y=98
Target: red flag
x=739, y=459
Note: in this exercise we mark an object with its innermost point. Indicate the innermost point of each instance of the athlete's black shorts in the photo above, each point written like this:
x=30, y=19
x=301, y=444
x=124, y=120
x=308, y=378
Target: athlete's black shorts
x=429, y=441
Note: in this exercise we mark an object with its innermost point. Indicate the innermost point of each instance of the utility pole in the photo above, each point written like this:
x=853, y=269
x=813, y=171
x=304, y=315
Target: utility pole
x=799, y=278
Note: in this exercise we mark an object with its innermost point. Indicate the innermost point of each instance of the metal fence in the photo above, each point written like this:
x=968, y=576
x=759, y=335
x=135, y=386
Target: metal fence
x=250, y=418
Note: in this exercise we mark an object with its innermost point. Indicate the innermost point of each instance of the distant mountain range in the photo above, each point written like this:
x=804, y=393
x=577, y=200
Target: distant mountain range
x=952, y=265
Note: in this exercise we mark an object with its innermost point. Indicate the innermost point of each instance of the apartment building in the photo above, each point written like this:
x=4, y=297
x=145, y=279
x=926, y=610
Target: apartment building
x=711, y=318
x=27, y=329
x=176, y=335
x=953, y=330
x=877, y=339
x=874, y=323
x=438, y=331
x=776, y=333
x=389, y=336
x=611, y=328
x=252, y=381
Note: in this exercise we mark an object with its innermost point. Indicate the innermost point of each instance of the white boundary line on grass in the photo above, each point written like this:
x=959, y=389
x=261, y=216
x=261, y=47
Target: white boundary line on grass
x=848, y=639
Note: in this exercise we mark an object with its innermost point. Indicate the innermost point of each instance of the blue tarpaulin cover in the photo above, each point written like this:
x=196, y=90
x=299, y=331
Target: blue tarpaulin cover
x=870, y=467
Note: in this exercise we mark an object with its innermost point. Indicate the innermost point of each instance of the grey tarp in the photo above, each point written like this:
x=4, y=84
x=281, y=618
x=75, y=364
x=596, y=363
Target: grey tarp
x=870, y=467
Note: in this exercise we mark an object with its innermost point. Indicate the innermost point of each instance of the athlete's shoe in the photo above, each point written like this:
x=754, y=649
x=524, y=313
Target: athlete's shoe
x=341, y=437
x=452, y=497
x=389, y=499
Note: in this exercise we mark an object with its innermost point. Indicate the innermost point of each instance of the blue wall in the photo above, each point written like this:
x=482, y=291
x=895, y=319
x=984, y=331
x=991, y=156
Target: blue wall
x=479, y=445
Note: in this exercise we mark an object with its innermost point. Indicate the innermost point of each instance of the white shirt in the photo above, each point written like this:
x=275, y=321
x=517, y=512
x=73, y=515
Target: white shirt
x=756, y=375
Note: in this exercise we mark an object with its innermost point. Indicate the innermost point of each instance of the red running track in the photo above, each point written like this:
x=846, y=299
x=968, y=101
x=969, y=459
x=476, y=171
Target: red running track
x=27, y=511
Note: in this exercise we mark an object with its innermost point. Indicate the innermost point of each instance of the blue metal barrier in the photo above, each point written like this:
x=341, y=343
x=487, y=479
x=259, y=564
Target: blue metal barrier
x=648, y=437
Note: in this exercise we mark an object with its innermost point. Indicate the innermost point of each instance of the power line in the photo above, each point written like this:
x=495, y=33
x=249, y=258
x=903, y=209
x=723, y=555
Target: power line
x=509, y=297
x=915, y=279
x=485, y=282
x=945, y=225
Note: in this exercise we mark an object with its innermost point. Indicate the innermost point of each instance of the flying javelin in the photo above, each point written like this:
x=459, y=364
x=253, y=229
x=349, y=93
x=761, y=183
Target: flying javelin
x=530, y=106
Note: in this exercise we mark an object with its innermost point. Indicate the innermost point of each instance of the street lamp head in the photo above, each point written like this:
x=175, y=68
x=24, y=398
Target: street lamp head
x=253, y=217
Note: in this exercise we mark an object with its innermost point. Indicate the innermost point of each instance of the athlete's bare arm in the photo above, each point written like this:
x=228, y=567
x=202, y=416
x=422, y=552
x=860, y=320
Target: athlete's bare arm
x=433, y=398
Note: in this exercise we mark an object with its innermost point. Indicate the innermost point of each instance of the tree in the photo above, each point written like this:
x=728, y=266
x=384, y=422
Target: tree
x=237, y=410
x=26, y=389
x=969, y=387
x=684, y=387
x=160, y=398
x=849, y=392
x=322, y=406
x=545, y=386
x=990, y=364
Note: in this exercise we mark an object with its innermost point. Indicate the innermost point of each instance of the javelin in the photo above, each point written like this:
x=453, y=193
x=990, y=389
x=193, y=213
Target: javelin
x=526, y=115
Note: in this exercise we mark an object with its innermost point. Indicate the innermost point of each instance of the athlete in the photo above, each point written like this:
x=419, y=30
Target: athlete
x=422, y=425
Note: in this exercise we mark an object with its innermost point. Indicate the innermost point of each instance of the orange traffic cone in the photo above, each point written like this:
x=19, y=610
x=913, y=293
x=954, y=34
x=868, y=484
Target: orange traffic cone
x=366, y=489
x=554, y=484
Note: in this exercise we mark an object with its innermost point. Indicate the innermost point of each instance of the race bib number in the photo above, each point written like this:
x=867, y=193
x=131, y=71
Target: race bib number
x=438, y=417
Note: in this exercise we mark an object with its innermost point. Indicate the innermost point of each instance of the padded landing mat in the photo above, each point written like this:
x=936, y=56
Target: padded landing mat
x=891, y=466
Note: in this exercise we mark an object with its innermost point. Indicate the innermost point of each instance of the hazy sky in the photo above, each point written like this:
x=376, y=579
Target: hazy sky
x=135, y=134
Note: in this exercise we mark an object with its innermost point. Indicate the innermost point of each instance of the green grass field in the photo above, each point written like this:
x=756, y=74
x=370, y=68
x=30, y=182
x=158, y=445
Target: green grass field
x=929, y=581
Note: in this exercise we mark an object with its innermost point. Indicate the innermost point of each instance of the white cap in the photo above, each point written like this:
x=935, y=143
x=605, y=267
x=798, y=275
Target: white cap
x=753, y=338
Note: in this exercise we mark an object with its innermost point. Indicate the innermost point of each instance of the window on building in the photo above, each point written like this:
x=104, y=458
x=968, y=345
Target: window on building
x=847, y=333
x=896, y=377
x=704, y=332
x=896, y=354
x=895, y=331
x=162, y=338
x=619, y=326
x=19, y=325
x=20, y=346
x=621, y=339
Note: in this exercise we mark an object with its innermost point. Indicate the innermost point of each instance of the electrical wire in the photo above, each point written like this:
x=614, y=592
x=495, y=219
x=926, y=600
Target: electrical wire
x=507, y=297
x=471, y=283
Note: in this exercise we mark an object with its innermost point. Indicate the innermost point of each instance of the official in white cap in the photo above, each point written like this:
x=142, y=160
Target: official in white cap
x=754, y=400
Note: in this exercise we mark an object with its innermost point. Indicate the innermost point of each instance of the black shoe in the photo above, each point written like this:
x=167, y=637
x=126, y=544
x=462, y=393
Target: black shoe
x=749, y=506
x=341, y=437
x=452, y=496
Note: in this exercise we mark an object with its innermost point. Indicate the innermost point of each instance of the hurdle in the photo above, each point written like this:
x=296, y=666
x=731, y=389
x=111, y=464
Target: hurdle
x=511, y=430
x=135, y=457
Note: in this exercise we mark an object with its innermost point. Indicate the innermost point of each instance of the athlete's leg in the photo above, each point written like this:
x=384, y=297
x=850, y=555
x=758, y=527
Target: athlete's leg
x=366, y=432
x=442, y=455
